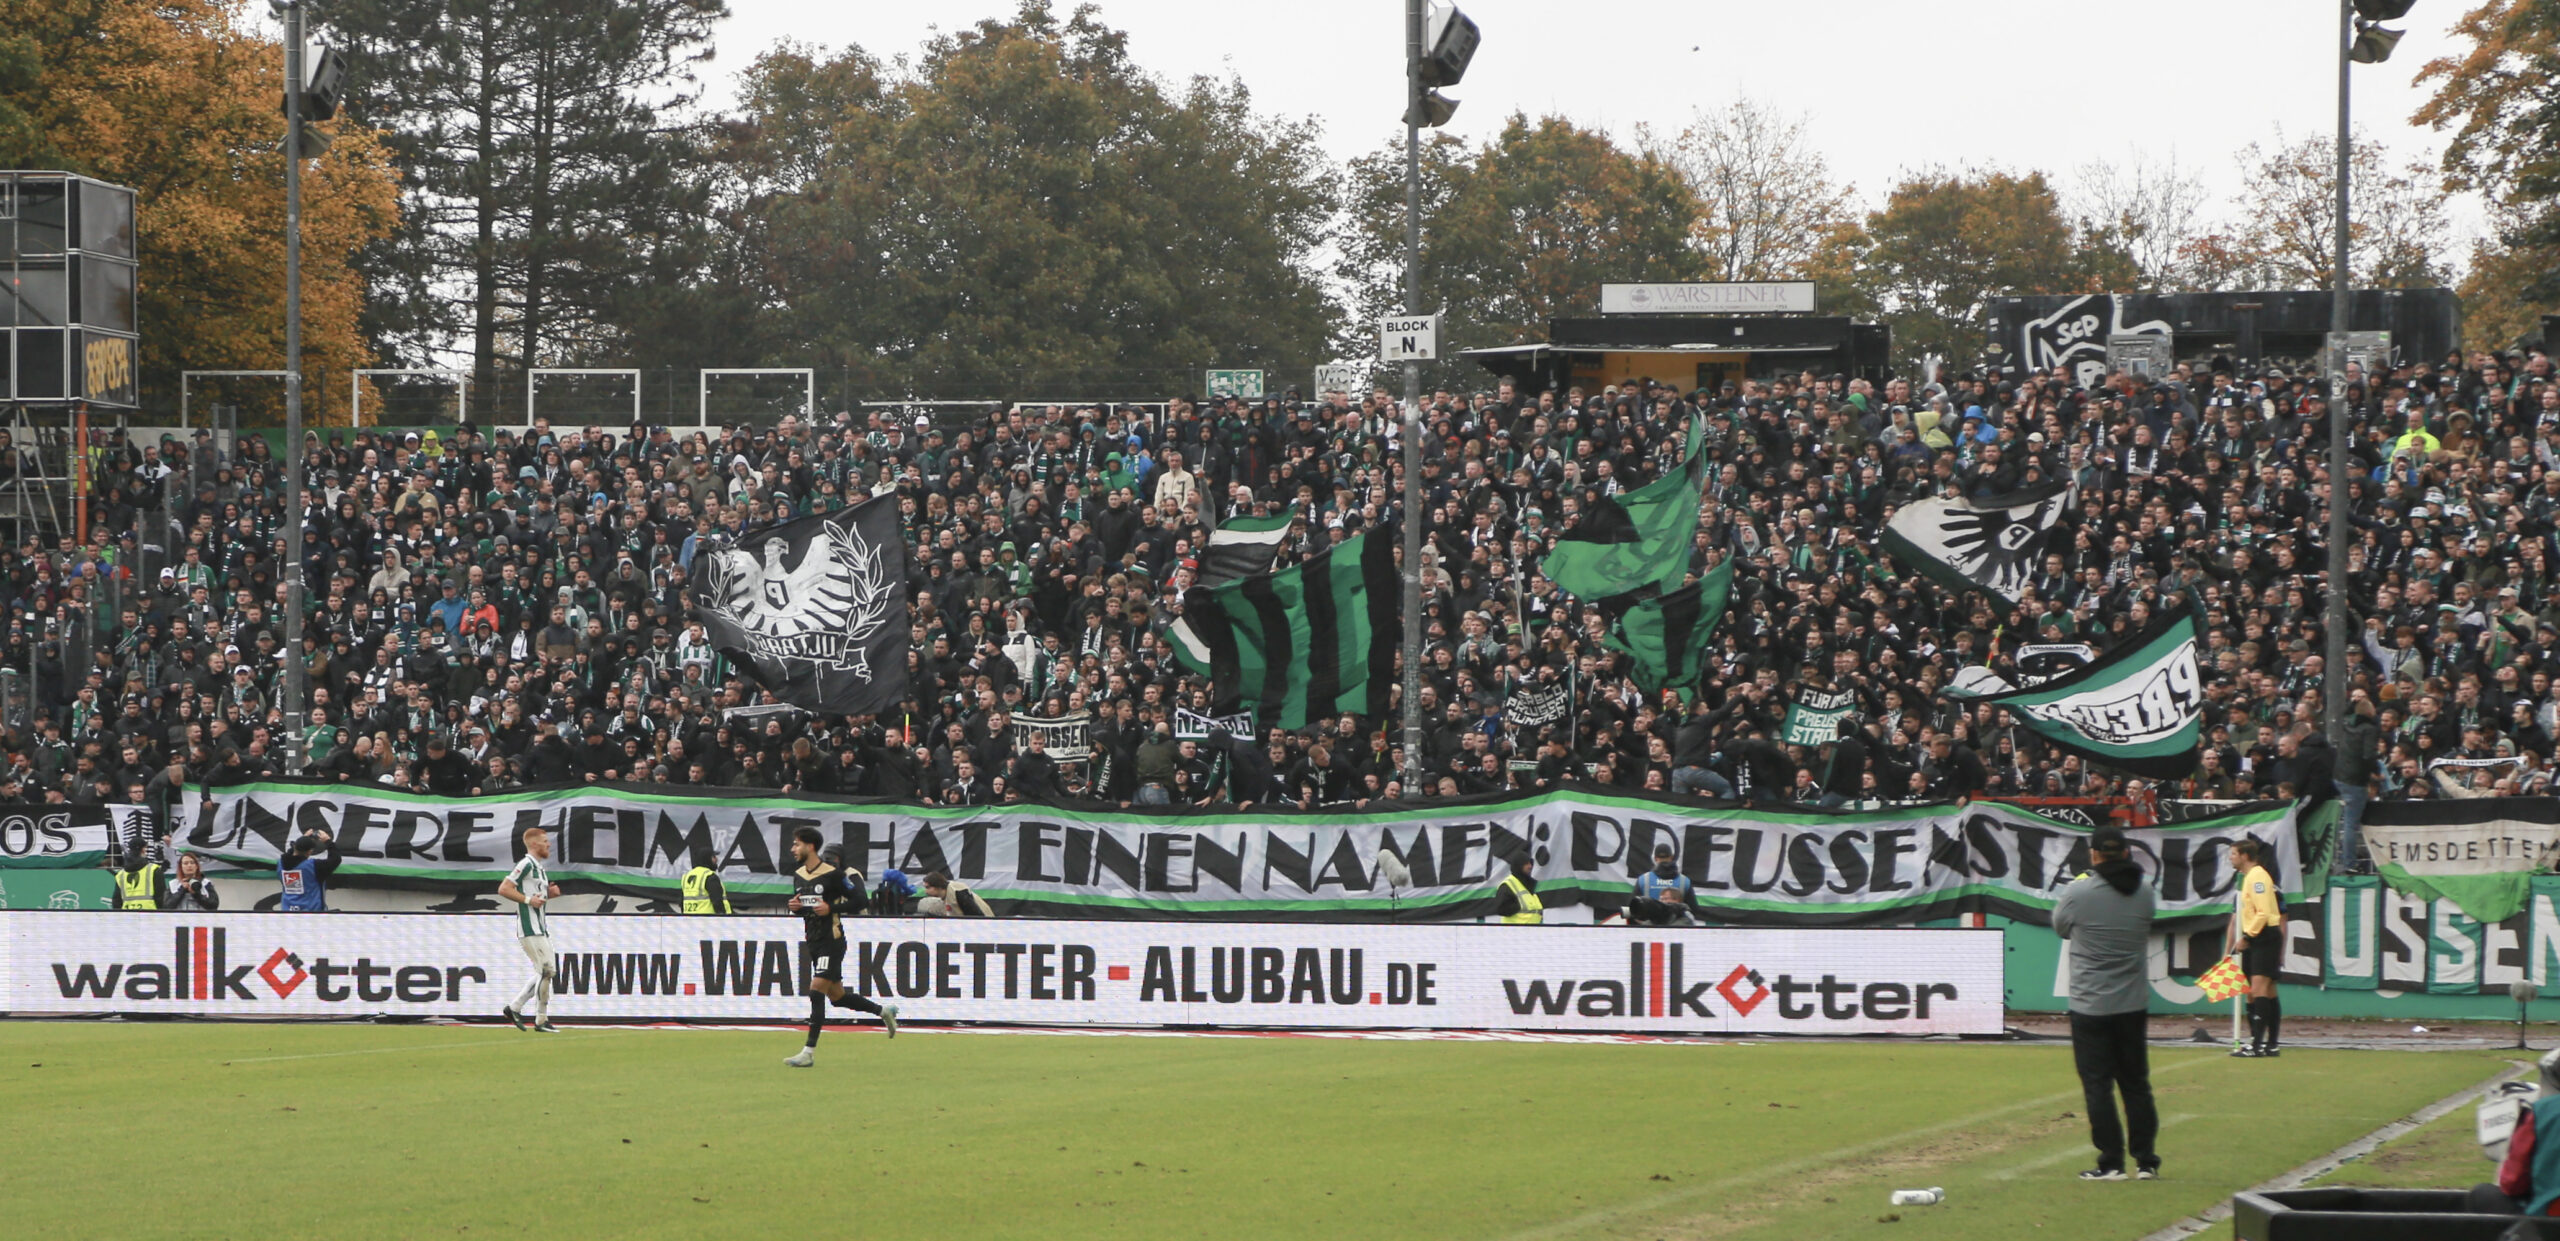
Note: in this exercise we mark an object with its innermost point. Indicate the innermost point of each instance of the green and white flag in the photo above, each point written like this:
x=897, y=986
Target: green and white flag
x=2481, y=853
x=1669, y=634
x=1313, y=640
x=1636, y=539
x=1814, y=715
x=2137, y=710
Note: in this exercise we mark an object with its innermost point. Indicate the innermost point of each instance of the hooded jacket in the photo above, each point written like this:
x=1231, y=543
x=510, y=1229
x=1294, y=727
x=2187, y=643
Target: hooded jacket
x=2106, y=914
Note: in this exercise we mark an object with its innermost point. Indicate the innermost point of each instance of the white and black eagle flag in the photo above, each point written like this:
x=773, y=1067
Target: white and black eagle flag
x=1992, y=545
x=815, y=607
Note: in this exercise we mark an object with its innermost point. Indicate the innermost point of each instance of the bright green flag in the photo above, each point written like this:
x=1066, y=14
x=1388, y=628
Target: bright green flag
x=1637, y=538
x=1669, y=634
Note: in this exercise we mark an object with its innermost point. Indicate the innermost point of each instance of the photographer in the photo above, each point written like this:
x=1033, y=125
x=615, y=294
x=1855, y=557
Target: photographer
x=190, y=890
x=895, y=894
x=2526, y=1183
x=946, y=899
x=304, y=871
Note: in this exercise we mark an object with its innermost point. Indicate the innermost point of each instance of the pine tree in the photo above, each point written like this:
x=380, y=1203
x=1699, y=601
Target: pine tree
x=547, y=165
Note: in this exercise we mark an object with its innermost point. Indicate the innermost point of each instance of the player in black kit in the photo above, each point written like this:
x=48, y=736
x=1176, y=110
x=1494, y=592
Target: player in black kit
x=822, y=898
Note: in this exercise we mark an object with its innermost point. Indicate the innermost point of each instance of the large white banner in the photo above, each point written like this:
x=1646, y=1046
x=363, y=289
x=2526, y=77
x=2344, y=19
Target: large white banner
x=1719, y=981
x=1756, y=867
x=2465, y=836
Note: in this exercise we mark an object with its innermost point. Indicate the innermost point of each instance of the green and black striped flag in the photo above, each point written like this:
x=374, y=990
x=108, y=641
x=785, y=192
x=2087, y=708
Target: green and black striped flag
x=1312, y=640
x=1635, y=539
x=1669, y=635
x=1243, y=547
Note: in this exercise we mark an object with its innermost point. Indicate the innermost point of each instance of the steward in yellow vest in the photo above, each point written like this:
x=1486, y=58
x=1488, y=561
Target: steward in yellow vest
x=703, y=891
x=141, y=885
x=1516, y=897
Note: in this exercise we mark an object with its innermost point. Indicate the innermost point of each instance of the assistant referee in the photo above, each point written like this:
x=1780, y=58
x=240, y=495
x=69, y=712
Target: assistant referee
x=2257, y=935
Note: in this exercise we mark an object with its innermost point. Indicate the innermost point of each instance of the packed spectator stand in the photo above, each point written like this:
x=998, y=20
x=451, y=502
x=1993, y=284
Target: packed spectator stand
x=518, y=593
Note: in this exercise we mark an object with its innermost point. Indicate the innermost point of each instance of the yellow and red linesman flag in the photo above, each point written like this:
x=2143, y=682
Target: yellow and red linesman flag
x=2224, y=980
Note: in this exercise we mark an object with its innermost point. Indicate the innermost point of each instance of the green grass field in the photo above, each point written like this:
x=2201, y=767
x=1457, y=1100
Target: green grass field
x=2443, y=1154
x=276, y=1131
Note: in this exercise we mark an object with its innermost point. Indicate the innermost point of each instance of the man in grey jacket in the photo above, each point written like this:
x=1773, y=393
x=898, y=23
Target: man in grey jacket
x=2354, y=778
x=2106, y=915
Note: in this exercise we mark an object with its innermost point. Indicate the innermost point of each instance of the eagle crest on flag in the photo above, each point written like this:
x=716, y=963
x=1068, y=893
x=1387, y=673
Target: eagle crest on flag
x=1997, y=546
x=818, y=611
x=1988, y=545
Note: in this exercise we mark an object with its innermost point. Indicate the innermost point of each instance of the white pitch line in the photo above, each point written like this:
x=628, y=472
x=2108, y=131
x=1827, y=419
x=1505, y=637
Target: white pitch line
x=1795, y=1167
x=2338, y=1158
x=2078, y=1151
x=386, y=1051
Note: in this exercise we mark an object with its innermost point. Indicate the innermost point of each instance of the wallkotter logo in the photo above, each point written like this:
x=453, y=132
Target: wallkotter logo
x=200, y=968
x=1657, y=984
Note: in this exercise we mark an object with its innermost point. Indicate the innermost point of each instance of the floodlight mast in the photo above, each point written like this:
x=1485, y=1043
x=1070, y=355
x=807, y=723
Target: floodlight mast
x=1440, y=60
x=2360, y=41
x=297, y=668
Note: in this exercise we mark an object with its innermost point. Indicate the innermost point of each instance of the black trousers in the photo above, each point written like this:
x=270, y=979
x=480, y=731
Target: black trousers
x=2112, y=1056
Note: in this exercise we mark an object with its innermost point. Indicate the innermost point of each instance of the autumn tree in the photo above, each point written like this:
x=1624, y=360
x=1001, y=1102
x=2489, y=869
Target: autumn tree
x=178, y=99
x=1946, y=242
x=1766, y=197
x=1521, y=230
x=2501, y=100
x=2503, y=287
x=2396, y=228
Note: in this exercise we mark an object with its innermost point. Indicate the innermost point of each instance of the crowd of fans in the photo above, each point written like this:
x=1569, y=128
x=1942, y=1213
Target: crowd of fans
x=498, y=608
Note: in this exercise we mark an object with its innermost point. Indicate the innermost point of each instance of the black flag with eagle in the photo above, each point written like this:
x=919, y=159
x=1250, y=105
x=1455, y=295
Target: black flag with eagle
x=1989, y=545
x=814, y=607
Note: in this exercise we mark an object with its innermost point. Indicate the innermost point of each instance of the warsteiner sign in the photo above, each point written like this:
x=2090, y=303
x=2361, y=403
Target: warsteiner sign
x=1748, y=867
x=749, y=968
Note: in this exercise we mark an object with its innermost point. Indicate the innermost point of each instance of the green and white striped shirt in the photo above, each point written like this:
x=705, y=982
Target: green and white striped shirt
x=530, y=879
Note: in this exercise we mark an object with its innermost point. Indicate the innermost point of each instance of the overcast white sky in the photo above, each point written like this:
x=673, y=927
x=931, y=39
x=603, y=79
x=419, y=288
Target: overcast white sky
x=1886, y=85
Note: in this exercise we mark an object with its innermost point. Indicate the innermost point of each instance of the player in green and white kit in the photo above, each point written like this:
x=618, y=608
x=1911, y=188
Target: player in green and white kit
x=530, y=887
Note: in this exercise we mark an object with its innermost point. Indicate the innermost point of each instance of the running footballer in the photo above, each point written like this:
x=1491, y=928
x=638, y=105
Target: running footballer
x=822, y=897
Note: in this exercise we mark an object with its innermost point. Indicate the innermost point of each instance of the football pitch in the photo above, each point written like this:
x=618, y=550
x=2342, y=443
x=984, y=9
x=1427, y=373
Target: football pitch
x=345, y=1131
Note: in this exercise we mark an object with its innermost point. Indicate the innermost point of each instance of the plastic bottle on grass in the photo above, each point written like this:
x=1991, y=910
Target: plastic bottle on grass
x=1919, y=1197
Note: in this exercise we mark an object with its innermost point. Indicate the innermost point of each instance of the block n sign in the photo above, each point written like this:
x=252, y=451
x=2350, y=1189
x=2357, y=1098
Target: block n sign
x=1245, y=385
x=1409, y=338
